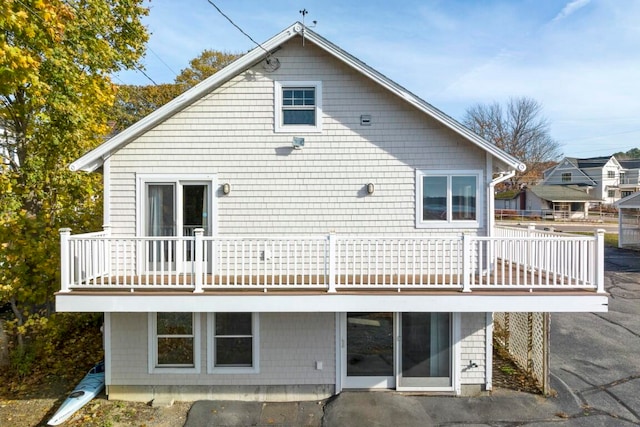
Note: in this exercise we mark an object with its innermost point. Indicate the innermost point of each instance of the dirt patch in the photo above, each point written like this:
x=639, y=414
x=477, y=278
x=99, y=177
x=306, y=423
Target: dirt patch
x=507, y=374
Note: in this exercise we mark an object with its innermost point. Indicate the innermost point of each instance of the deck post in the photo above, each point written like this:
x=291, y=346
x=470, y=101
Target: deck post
x=107, y=249
x=65, y=271
x=466, y=263
x=331, y=280
x=198, y=259
x=599, y=261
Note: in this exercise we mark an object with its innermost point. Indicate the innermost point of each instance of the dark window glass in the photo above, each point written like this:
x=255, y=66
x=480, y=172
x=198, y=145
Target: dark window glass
x=233, y=339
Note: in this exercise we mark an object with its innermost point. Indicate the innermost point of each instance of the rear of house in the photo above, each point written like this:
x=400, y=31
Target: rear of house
x=298, y=224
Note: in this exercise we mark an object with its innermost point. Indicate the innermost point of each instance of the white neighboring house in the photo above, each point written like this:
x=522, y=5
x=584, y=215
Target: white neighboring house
x=297, y=225
x=604, y=178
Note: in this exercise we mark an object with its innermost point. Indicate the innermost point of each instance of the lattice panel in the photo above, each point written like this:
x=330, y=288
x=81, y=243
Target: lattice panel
x=524, y=337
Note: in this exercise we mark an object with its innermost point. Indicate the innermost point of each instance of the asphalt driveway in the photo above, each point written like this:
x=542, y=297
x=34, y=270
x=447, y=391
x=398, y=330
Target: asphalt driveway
x=595, y=357
x=595, y=371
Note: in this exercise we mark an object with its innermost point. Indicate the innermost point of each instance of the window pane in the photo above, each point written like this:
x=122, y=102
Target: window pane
x=175, y=351
x=463, y=197
x=233, y=324
x=175, y=323
x=299, y=117
x=234, y=351
x=434, y=198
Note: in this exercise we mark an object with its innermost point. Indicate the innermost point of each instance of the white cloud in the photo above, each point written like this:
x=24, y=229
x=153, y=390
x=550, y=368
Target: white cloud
x=570, y=8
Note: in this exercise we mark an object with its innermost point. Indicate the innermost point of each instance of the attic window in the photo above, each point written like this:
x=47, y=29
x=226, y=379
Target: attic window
x=566, y=177
x=298, y=106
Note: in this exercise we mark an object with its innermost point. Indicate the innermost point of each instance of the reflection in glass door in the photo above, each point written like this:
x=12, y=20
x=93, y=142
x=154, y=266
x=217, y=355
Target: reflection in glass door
x=161, y=221
x=369, y=350
x=425, y=350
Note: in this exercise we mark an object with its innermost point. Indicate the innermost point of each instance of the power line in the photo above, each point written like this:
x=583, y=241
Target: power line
x=240, y=29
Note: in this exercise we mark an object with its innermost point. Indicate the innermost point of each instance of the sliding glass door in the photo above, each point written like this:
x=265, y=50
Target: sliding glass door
x=174, y=209
x=398, y=350
x=425, y=353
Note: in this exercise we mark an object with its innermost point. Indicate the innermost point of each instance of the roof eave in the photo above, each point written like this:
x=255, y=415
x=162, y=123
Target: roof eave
x=95, y=158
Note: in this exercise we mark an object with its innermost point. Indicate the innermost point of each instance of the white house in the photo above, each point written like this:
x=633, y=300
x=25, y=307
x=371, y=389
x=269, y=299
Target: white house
x=297, y=225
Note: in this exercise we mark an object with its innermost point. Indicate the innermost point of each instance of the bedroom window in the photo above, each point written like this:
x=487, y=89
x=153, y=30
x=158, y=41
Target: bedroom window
x=234, y=342
x=566, y=177
x=175, y=341
x=446, y=198
x=298, y=106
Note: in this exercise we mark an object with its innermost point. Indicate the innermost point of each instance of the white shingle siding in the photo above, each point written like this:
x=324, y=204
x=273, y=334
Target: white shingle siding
x=315, y=190
x=473, y=347
x=290, y=345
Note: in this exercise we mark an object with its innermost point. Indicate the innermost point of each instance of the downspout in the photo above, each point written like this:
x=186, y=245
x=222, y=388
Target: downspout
x=491, y=199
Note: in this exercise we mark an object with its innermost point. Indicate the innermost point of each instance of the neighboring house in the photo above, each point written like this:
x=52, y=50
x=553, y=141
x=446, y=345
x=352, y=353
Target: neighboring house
x=559, y=201
x=297, y=225
x=629, y=177
x=629, y=221
x=604, y=177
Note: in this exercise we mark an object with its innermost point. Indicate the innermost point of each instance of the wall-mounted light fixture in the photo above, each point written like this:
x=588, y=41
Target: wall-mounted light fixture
x=226, y=188
x=370, y=188
x=297, y=143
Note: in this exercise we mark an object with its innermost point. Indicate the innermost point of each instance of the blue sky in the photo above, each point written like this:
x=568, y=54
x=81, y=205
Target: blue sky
x=579, y=58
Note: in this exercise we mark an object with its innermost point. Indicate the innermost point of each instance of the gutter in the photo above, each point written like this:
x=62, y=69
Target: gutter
x=491, y=205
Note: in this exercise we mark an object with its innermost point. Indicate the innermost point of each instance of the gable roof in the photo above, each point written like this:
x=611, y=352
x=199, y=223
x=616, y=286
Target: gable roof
x=630, y=164
x=631, y=201
x=95, y=158
x=562, y=193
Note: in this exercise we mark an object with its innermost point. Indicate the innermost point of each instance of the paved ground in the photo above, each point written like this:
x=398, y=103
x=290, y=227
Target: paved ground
x=595, y=370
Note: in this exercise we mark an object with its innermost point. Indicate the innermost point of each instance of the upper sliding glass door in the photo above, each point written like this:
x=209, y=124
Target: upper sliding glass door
x=174, y=209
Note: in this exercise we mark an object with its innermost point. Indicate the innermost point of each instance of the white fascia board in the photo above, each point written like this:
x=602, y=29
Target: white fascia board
x=68, y=302
x=93, y=159
x=414, y=100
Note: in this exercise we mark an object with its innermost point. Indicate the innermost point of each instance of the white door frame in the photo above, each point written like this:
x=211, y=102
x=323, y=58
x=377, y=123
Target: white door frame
x=342, y=382
x=178, y=180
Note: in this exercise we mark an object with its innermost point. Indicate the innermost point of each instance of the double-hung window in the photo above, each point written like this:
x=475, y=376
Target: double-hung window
x=233, y=342
x=447, y=198
x=174, y=342
x=298, y=106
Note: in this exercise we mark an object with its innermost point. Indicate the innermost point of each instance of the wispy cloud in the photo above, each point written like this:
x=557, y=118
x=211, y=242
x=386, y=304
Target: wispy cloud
x=570, y=8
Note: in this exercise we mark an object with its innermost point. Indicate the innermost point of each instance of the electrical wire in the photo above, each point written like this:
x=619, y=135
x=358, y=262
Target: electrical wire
x=239, y=29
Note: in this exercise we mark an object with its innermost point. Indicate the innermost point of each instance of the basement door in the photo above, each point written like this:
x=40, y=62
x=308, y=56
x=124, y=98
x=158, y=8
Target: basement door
x=405, y=351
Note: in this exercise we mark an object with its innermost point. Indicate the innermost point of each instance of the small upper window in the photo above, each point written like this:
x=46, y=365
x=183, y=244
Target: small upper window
x=611, y=174
x=566, y=177
x=298, y=106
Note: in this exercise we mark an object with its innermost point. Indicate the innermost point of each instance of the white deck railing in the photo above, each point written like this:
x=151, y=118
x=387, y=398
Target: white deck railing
x=513, y=259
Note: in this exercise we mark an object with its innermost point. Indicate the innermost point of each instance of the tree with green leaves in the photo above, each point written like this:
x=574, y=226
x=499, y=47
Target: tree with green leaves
x=519, y=129
x=134, y=102
x=56, y=57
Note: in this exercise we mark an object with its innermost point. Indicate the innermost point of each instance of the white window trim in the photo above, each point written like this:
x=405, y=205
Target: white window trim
x=449, y=223
x=153, y=349
x=278, y=126
x=212, y=369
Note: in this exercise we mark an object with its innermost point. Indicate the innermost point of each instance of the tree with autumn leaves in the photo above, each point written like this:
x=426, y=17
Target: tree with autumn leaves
x=56, y=57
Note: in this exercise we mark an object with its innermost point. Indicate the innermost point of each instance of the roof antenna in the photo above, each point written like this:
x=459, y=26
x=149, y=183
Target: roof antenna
x=304, y=13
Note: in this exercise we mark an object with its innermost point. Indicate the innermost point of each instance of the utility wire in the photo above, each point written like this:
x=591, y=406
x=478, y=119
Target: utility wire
x=240, y=29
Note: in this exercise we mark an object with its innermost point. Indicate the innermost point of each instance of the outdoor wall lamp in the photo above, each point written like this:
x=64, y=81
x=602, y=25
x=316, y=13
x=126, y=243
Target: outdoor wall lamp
x=370, y=188
x=226, y=188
